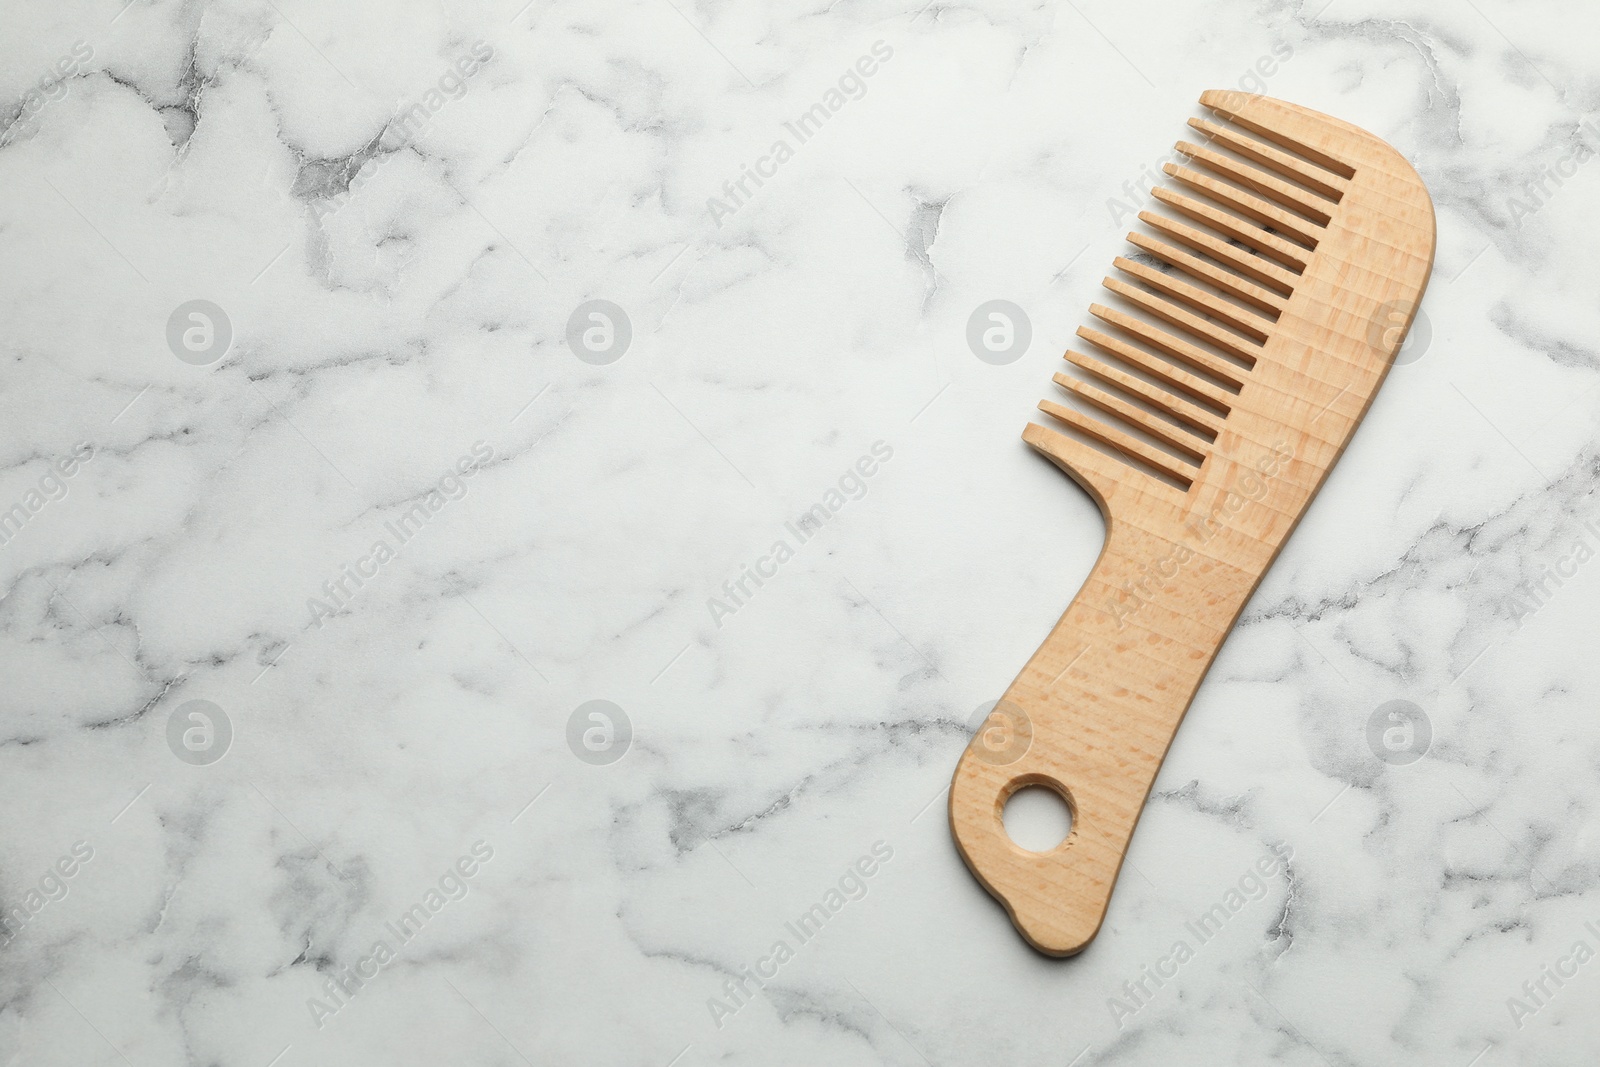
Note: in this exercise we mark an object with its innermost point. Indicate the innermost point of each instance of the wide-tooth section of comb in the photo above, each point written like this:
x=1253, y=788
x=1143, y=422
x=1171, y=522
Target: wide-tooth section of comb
x=1248, y=204
x=1122, y=442
x=1252, y=266
x=1288, y=253
x=1313, y=207
x=1177, y=439
x=1225, y=281
x=1185, y=411
x=1312, y=177
x=1192, y=324
x=1246, y=322
x=1191, y=384
x=1255, y=209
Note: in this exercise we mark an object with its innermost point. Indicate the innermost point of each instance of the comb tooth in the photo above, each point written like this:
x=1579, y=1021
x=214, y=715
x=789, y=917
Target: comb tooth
x=1236, y=108
x=1099, y=474
x=1162, y=431
x=1187, y=321
x=1189, y=413
x=1225, y=281
x=1268, y=244
x=1255, y=267
x=1125, y=443
x=1246, y=322
x=1248, y=204
x=1313, y=178
x=1159, y=369
x=1175, y=347
x=1259, y=180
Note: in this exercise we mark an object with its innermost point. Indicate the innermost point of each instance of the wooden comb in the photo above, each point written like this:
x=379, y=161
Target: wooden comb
x=1258, y=327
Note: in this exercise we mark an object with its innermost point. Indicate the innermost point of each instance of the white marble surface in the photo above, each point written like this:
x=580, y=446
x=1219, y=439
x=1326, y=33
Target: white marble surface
x=385, y=327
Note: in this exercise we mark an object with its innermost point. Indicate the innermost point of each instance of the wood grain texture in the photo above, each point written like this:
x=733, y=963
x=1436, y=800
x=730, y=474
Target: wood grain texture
x=1341, y=229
